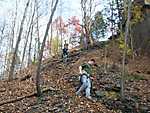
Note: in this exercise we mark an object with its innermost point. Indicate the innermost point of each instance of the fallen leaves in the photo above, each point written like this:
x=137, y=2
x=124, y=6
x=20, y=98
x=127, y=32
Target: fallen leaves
x=62, y=80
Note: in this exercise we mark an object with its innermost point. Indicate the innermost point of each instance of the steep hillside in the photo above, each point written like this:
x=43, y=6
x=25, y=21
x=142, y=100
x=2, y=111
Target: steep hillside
x=59, y=82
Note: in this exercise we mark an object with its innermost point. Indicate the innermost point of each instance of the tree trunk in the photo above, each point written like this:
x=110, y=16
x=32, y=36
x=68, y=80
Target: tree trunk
x=87, y=23
x=27, y=38
x=11, y=71
x=37, y=27
x=131, y=44
x=105, y=59
x=29, y=55
x=51, y=38
x=34, y=57
x=2, y=31
x=13, y=28
x=51, y=32
x=124, y=52
x=41, y=52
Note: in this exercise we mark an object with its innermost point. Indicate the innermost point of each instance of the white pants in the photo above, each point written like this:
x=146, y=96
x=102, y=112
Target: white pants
x=86, y=85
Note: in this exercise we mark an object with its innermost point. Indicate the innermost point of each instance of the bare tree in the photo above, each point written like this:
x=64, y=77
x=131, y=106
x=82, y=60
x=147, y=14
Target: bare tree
x=13, y=27
x=51, y=32
x=124, y=52
x=41, y=52
x=60, y=22
x=88, y=9
x=29, y=52
x=2, y=29
x=34, y=56
x=105, y=59
x=10, y=41
x=37, y=25
x=27, y=37
x=11, y=71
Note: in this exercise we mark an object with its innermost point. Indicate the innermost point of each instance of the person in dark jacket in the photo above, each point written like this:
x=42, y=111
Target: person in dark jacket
x=65, y=52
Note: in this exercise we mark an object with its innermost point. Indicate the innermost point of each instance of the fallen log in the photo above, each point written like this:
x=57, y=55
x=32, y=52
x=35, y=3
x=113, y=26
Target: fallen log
x=26, y=96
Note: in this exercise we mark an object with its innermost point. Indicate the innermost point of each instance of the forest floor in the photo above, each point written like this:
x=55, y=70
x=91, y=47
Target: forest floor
x=60, y=81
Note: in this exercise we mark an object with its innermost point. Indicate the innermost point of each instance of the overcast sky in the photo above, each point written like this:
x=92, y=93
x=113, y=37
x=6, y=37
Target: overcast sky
x=70, y=7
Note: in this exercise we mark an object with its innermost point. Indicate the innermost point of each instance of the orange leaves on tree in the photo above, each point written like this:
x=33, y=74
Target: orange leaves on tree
x=76, y=23
x=78, y=28
x=60, y=24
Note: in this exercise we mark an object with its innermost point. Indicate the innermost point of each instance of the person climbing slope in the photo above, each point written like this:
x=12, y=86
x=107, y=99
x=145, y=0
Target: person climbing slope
x=86, y=78
x=65, y=51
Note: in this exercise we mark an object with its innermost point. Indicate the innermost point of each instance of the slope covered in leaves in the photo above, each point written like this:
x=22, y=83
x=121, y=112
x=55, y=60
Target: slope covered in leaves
x=59, y=82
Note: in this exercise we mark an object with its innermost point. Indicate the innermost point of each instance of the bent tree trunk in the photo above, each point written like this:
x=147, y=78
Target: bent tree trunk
x=41, y=52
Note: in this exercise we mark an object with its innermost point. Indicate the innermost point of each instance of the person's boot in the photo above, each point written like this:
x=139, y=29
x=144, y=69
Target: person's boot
x=89, y=97
x=77, y=93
